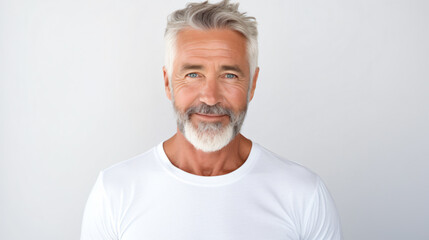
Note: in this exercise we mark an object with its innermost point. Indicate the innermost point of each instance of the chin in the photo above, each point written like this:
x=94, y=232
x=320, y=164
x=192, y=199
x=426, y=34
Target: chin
x=209, y=137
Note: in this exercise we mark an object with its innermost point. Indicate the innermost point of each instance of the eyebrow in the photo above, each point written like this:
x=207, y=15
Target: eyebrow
x=191, y=67
x=235, y=68
x=232, y=68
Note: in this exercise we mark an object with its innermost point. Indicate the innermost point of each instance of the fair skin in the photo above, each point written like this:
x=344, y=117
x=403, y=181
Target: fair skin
x=210, y=67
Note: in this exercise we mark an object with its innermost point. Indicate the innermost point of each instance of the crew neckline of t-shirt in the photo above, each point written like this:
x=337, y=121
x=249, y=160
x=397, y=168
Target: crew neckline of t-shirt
x=209, y=180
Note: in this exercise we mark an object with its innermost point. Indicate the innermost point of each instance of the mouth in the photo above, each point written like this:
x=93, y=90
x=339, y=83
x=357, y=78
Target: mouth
x=210, y=117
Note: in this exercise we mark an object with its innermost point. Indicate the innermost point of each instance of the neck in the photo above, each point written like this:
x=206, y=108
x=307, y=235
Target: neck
x=185, y=156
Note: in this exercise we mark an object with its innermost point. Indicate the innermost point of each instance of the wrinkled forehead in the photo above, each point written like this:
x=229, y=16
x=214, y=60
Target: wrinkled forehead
x=223, y=44
x=223, y=34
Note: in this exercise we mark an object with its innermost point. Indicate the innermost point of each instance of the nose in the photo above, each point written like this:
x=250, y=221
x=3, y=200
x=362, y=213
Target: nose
x=210, y=92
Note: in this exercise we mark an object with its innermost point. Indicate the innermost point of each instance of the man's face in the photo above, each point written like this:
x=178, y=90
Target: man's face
x=210, y=83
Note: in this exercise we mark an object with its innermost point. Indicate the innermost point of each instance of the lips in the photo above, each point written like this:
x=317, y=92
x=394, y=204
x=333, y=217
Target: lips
x=210, y=117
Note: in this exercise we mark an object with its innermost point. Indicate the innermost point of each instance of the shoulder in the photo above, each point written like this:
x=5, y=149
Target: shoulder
x=128, y=173
x=285, y=173
x=303, y=194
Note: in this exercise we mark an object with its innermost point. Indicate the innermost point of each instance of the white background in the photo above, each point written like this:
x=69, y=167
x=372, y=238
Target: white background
x=343, y=90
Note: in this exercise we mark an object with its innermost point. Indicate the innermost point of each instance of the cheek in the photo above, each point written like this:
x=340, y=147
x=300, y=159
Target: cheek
x=185, y=95
x=236, y=96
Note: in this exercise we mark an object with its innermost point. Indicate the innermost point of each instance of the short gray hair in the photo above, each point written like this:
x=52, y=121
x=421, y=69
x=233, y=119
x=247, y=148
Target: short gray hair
x=206, y=16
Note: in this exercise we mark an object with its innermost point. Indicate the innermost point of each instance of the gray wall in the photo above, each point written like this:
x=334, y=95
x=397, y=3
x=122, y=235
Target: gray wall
x=343, y=90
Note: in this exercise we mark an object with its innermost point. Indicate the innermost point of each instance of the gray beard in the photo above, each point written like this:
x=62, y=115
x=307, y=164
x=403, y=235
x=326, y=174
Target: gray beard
x=209, y=137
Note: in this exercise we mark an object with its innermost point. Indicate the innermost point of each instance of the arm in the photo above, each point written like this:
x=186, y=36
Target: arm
x=98, y=220
x=321, y=220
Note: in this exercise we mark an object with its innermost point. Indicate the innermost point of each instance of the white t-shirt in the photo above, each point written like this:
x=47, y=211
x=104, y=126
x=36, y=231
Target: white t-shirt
x=266, y=198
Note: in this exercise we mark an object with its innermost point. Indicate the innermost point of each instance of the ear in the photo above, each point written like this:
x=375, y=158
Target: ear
x=166, y=83
x=255, y=79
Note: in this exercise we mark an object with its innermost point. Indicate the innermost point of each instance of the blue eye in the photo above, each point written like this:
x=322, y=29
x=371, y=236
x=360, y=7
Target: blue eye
x=192, y=75
x=230, y=75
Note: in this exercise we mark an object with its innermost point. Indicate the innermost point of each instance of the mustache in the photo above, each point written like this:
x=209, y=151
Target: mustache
x=207, y=109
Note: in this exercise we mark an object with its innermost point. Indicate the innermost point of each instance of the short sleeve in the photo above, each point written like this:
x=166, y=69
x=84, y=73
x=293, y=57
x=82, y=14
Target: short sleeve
x=321, y=220
x=98, y=221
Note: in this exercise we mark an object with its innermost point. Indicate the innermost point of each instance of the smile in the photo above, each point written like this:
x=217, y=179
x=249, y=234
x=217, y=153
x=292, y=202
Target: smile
x=209, y=117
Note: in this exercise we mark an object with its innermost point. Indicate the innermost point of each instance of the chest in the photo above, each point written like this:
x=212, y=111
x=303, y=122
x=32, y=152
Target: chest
x=209, y=213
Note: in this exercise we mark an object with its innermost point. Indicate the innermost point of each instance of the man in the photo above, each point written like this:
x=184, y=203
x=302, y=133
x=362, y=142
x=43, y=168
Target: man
x=208, y=181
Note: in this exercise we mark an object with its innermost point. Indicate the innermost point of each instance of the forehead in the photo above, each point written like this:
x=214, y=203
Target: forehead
x=212, y=44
